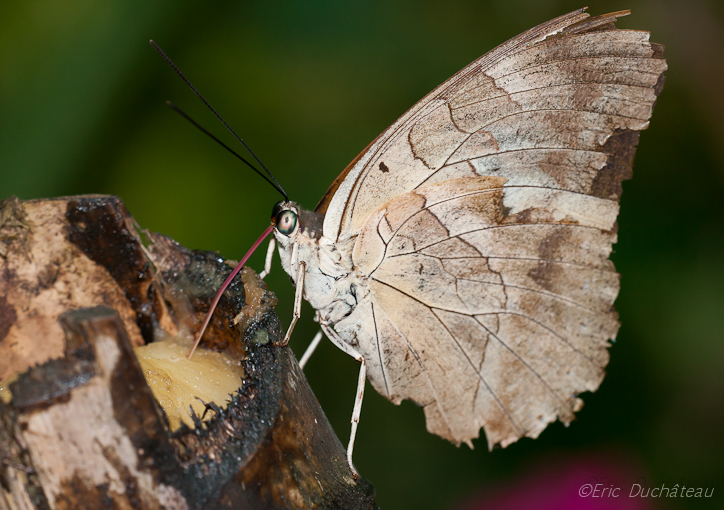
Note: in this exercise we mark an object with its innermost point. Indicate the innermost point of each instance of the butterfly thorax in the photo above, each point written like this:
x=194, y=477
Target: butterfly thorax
x=330, y=284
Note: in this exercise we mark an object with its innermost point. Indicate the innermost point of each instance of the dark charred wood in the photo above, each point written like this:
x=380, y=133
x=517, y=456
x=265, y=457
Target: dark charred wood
x=80, y=286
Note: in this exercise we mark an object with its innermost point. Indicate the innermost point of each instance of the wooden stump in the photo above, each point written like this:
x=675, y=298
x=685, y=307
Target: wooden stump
x=80, y=285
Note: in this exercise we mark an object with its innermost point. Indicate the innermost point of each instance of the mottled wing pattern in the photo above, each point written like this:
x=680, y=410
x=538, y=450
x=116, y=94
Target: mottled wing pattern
x=560, y=106
x=491, y=305
x=484, y=219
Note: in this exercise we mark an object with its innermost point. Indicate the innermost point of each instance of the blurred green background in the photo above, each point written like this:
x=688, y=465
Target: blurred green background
x=308, y=85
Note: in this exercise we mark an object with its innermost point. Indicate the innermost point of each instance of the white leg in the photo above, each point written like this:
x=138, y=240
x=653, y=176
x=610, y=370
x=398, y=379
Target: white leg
x=297, y=300
x=268, y=260
x=295, y=254
x=332, y=335
x=310, y=349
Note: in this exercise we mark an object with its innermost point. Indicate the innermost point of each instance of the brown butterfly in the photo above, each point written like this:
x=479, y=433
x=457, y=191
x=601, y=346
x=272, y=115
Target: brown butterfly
x=462, y=257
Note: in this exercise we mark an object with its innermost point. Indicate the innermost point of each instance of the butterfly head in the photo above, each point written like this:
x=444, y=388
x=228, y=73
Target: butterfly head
x=287, y=225
x=291, y=221
x=285, y=217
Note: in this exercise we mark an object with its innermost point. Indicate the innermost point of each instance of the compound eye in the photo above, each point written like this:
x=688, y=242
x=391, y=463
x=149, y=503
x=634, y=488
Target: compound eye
x=286, y=222
x=278, y=207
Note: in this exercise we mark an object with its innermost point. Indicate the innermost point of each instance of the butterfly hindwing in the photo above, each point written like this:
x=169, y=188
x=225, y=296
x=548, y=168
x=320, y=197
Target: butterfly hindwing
x=479, y=334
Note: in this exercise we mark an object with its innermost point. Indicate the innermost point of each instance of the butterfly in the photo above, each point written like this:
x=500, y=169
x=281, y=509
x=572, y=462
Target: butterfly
x=463, y=256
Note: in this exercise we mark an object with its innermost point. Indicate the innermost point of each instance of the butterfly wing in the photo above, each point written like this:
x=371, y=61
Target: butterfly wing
x=559, y=106
x=490, y=304
x=482, y=222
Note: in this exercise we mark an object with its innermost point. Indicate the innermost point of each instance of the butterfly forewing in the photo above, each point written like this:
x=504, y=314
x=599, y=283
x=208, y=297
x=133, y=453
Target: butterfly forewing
x=482, y=222
x=557, y=111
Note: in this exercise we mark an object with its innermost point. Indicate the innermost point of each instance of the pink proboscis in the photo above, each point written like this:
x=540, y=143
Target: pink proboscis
x=225, y=285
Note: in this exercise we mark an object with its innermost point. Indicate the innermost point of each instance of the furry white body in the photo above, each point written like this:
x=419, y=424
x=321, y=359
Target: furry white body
x=330, y=283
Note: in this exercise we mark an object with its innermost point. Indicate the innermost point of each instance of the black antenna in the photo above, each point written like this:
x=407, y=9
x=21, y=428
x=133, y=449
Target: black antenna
x=173, y=66
x=192, y=121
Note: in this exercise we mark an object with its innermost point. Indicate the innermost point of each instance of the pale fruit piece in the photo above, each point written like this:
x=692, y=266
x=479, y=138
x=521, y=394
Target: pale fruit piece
x=5, y=395
x=178, y=383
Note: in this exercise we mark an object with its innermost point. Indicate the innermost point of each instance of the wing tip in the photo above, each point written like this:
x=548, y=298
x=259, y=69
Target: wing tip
x=602, y=22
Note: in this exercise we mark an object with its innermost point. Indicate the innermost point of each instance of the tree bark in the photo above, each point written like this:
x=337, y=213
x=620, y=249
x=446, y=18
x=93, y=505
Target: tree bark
x=80, y=285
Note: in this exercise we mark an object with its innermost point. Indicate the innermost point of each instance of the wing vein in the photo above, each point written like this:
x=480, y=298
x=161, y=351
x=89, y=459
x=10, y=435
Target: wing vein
x=368, y=165
x=542, y=380
x=505, y=410
x=535, y=110
x=480, y=375
x=524, y=149
x=476, y=192
x=551, y=330
x=422, y=366
x=588, y=57
x=532, y=259
x=472, y=314
x=543, y=293
x=566, y=84
x=492, y=228
x=379, y=352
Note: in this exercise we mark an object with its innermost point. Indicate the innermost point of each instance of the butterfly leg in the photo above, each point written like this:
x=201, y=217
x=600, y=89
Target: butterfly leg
x=310, y=349
x=268, y=260
x=297, y=301
x=332, y=335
